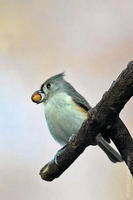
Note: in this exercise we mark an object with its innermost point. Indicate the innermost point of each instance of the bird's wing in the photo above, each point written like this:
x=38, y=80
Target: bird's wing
x=79, y=99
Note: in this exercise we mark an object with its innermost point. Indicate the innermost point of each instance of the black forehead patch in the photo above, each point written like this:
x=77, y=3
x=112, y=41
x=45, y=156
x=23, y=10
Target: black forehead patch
x=41, y=88
x=58, y=76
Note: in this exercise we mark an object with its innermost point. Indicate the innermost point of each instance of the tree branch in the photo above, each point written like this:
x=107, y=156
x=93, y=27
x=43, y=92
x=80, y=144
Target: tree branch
x=103, y=118
x=123, y=141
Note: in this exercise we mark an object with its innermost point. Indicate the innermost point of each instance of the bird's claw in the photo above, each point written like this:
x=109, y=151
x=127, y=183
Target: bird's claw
x=57, y=154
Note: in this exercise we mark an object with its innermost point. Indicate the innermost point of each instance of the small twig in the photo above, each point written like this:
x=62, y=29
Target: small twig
x=122, y=139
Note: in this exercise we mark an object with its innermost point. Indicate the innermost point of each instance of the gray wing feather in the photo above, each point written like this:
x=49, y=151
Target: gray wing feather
x=78, y=98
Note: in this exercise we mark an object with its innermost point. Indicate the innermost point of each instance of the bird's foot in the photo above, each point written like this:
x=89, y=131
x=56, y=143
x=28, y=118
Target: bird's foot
x=57, y=154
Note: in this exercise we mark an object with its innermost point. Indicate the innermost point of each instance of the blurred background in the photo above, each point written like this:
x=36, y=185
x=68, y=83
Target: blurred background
x=92, y=41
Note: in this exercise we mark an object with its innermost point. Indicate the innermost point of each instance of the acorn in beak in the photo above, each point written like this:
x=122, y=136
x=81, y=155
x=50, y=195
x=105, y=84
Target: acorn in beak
x=38, y=97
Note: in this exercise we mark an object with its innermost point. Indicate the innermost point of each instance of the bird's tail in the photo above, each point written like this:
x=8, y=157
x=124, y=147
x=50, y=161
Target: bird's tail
x=113, y=155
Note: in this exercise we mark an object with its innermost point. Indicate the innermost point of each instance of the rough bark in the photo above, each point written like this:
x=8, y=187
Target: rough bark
x=103, y=118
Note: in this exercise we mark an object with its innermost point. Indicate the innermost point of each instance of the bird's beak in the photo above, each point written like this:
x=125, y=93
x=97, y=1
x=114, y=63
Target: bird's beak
x=38, y=96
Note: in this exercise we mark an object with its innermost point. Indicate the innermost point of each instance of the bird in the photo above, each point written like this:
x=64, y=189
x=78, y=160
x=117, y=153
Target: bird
x=65, y=110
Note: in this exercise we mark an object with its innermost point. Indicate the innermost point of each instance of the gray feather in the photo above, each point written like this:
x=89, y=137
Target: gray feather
x=77, y=98
x=113, y=155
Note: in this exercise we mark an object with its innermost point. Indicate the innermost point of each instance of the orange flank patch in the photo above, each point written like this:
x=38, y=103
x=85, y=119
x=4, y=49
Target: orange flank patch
x=79, y=108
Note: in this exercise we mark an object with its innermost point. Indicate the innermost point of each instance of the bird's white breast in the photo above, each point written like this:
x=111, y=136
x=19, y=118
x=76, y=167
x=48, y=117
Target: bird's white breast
x=63, y=117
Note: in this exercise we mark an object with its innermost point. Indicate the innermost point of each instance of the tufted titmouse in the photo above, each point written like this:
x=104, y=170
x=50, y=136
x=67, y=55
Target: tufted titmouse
x=65, y=110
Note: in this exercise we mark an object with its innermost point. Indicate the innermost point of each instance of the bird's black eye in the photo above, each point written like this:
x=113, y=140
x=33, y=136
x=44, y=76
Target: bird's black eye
x=48, y=85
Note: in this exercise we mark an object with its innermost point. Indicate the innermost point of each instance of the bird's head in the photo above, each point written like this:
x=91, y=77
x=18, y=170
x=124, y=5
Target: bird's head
x=49, y=88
